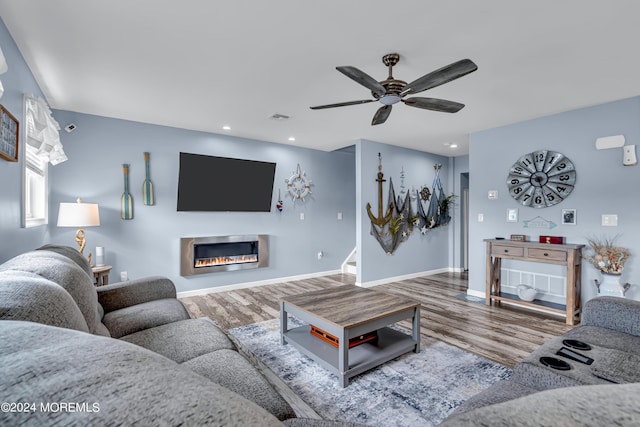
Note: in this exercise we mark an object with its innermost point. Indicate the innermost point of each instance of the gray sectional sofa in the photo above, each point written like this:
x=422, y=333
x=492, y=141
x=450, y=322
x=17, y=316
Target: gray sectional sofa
x=122, y=354
x=128, y=354
x=605, y=392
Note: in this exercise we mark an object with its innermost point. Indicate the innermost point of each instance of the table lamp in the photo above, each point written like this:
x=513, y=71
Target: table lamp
x=79, y=215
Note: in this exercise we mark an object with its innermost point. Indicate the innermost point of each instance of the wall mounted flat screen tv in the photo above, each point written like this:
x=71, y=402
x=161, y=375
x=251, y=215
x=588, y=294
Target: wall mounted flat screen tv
x=221, y=184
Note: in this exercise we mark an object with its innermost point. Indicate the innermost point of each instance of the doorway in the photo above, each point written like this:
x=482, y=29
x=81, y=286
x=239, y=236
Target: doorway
x=464, y=221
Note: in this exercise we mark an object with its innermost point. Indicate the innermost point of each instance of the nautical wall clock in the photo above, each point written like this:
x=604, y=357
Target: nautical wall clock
x=541, y=179
x=298, y=185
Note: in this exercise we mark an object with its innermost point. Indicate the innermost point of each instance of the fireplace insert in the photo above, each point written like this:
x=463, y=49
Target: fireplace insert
x=222, y=253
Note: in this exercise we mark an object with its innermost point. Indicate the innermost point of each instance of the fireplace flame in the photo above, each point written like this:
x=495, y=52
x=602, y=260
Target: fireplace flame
x=225, y=260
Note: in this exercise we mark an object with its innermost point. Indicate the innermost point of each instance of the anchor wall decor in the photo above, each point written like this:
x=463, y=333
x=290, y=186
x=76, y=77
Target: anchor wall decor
x=380, y=220
x=395, y=224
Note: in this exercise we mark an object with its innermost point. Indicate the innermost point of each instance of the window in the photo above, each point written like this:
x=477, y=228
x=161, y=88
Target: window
x=35, y=197
x=42, y=146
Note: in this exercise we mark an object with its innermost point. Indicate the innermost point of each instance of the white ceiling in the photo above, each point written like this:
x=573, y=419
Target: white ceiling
x=202, y=64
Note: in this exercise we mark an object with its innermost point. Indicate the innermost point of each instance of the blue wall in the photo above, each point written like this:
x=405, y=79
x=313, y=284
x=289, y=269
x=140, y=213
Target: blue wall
x=603, y=185
x=17, y=81
x=420, y=253
x=149, y=244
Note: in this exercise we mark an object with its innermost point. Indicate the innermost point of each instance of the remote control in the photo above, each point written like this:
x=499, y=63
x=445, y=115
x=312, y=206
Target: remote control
x=570, y=354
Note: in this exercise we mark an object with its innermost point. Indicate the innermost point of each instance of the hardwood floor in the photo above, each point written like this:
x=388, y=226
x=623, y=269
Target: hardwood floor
x=505, y=334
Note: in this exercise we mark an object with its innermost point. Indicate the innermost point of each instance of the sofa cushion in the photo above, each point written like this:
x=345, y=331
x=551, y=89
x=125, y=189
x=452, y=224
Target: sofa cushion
x=607, y=338
x=314, y=422
x=183, y=340
x=27, y=296
x=143, y=316
x=231, y=370
x=535, y=374
x=132, y=292
x=618, y=367
x=72, y=254
x=115, y=382
x=66, y=273
x=602, y=405
x=613, y=313
x=498, y=392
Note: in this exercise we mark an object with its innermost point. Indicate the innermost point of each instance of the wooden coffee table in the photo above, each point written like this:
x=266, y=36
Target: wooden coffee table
x=349, y=312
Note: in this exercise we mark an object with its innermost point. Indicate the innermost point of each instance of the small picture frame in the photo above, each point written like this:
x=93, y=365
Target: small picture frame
x=518, y=238
x=568, y=217
x=512, y=215
x=8, y=135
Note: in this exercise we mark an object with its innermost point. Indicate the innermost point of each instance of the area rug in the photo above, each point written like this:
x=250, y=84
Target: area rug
x=413, y=389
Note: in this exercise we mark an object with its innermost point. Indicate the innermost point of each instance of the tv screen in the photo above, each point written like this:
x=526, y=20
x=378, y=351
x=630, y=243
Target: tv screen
x=208, y=183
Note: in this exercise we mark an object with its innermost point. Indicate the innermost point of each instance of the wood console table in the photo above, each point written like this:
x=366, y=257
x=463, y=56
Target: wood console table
x=567, y=255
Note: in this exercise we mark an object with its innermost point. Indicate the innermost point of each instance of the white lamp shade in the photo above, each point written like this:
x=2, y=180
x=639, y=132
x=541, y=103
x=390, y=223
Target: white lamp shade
x=78, y=215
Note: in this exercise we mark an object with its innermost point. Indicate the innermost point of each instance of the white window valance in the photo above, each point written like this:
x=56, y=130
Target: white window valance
x=43, y=130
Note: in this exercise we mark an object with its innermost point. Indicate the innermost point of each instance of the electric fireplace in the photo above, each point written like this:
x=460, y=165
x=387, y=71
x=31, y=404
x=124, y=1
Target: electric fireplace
x=199, y=255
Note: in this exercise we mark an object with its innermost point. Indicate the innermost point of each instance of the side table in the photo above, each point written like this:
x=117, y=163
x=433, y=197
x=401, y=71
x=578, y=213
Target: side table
x=101, y=274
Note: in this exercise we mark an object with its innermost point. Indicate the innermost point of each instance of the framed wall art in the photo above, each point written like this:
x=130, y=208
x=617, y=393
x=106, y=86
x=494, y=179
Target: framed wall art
x=8, y=135
x=568, y=217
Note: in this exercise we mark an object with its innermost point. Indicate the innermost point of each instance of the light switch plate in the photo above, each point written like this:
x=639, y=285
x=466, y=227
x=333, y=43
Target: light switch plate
x=492, y=195
x=610, y=220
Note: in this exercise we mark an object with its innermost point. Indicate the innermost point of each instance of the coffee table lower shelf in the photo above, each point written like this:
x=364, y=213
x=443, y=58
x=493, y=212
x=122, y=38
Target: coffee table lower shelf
x=390, y=344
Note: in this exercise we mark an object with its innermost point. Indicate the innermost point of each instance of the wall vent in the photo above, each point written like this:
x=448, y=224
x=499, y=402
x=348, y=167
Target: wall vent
x=279, y=117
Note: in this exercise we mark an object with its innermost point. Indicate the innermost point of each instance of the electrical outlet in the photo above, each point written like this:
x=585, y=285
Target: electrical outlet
x=629, y=158
x=339, y=216
x=301, y=216
x=124, y=276
x=320, y=255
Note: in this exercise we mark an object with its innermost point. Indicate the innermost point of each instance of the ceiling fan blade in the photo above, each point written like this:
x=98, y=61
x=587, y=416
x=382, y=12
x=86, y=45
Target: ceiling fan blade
x=441, y=76
x=434, y=104
x=343, y=104
x=381, y=115
x=363, y=78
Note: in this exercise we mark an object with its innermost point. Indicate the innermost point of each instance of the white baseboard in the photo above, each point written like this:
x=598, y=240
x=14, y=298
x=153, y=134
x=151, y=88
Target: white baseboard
x=478, y=294
x=403, y=277
x=245, y=285
x=235, y=286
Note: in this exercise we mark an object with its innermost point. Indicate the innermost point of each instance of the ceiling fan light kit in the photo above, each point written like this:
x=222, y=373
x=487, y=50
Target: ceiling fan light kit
x=391, y=91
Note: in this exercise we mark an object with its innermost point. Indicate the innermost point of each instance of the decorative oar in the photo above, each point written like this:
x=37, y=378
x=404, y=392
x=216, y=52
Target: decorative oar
x=126, y=201
x=147, y=186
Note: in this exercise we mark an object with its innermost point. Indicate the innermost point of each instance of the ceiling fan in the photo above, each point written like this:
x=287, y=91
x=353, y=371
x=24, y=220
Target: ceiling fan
x=392, y=91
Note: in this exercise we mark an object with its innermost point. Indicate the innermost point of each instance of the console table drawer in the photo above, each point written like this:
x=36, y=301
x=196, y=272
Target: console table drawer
x=507, y=250
x=553, y=255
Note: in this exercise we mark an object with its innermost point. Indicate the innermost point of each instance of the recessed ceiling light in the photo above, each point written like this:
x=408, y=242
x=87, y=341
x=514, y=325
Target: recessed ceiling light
x=291, y=138
x=454, y=146
x=226, y=127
